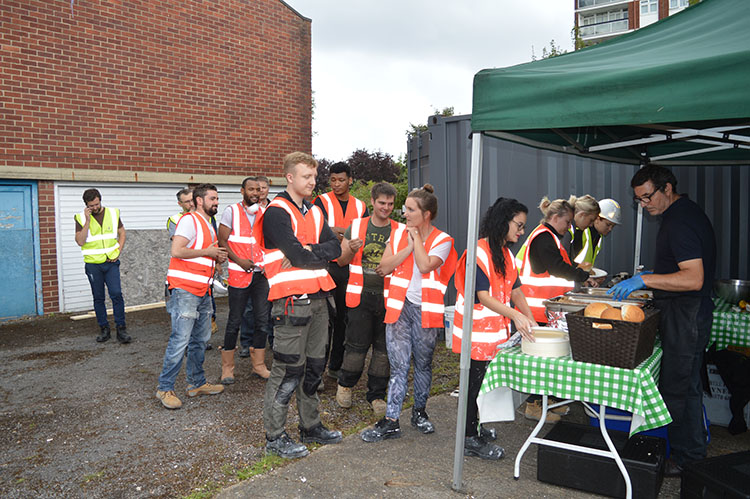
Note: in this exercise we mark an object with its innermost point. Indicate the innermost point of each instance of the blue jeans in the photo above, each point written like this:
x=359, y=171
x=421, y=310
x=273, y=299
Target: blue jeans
x=191, y=329
x=107, y=273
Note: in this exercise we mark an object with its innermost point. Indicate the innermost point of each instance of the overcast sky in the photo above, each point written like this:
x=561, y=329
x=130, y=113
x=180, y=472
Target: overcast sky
x=379, y=66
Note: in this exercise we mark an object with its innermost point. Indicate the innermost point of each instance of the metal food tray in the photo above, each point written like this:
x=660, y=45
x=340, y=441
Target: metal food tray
x=602, y=292
x=553, y=305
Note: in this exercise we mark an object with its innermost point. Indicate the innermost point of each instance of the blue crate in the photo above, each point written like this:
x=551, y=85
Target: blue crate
x=620, y=421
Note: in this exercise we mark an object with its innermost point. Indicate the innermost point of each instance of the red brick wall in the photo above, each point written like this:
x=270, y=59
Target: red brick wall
x=156, y=85
x=48, y=246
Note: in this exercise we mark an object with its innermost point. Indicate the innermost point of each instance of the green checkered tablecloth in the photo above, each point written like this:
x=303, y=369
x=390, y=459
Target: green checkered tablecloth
x=729, y=327
x=632, y=390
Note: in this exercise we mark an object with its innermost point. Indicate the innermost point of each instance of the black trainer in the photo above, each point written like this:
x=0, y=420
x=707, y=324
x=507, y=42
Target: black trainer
x=489, y=434
x=244, y=352
x=285, y=447
x=421, y=421
x=122, y=334
x=383, y=429
x=479, y=447
x=105, y=334
x=319, y=434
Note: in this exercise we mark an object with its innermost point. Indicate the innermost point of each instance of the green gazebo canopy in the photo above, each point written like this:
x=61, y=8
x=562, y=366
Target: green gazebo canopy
x=674, y=92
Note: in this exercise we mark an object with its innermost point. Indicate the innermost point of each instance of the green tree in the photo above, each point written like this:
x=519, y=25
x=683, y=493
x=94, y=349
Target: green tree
x=422, y=127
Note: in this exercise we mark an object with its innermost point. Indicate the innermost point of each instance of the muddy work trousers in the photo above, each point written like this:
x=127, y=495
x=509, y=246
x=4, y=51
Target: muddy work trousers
x=301, y=333
x=366, y=328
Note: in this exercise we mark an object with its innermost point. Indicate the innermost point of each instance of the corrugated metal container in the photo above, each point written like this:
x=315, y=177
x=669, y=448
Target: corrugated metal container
x=442, y=157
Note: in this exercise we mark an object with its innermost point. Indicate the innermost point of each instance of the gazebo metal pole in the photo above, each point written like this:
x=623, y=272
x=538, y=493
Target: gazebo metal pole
x=468, y=312
x=638, y=234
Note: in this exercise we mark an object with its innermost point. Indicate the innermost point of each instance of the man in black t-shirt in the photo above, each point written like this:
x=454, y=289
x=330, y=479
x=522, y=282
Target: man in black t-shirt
x=682, y=279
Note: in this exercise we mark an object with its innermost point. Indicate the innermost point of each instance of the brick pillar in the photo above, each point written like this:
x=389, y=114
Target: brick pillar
x=48, y=246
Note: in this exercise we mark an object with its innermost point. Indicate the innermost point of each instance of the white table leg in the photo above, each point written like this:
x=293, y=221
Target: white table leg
x=615, y=454
x=530, y=440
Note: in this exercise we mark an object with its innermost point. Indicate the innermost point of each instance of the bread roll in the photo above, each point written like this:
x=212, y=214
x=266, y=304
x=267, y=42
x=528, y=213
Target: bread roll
x=632, y=313
x=601, y=325
x=595, y=309
x=612, y=313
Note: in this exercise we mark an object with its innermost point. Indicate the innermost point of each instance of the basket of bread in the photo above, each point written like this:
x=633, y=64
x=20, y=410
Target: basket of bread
x=611, y=336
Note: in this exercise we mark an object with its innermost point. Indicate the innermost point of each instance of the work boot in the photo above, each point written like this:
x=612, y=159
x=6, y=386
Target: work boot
x=244, y=352
x=204, y=389
x=383, y=429
x=209, y=346
x=104, y=335
x=169, y=399
x=489, y=434
x=227, y=366
x=122, y=334
x=421, y=421
x=534, y=411
x=378, y=407
x=344, y=396
x=321, y=386
x=214, y=326
x=563, y=410
x=258, y=356
x=479, y=447
x=319, y=434
x=285, y=447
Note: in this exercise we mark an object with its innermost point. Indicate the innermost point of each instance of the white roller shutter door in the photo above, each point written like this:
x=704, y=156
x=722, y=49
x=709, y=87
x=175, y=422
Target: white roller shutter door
x=142, y=207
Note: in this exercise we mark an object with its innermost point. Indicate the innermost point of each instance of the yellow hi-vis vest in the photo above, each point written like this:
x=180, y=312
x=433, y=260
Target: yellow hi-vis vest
x=101, y=241
x=588, y=252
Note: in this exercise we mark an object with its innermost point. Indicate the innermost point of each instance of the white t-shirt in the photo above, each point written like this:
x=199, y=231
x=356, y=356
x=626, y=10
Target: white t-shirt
x=414, y=291
x=186, y=228
x=226, y=217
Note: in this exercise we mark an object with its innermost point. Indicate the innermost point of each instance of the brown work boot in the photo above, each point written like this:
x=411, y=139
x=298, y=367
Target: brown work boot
x=378, y=407
x=169, y=399
x=258, y=357
x=534, y=411
x=204, y=389
x=563, y=410
x=227, y=366
x=214, y=326
x=344, y=396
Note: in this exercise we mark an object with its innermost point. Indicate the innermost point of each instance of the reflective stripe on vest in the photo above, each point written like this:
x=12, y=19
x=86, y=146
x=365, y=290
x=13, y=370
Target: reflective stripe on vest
x=101, y=240
x=540, y=287
x=434, y=283
x=356, y=276
x=489, y=329
x=193, y=275
x=294, y=281
x=336, y=217
x=589, y=252
x=242, y=242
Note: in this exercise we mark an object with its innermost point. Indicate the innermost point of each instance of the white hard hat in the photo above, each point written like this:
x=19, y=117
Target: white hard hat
x=610, y=210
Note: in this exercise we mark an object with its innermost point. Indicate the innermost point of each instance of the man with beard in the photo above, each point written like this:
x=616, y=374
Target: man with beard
x=246, y=280
x=101, y=236
x=190, y=275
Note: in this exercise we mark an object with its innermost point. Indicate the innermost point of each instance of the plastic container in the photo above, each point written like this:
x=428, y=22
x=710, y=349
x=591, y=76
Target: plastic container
x=549, y=342
x=643, y=457
x=449, y=311
x=725, y=476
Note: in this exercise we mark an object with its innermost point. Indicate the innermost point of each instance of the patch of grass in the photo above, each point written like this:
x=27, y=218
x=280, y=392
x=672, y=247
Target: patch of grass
x=205, y=491
x=93, y=476
x=264, y=465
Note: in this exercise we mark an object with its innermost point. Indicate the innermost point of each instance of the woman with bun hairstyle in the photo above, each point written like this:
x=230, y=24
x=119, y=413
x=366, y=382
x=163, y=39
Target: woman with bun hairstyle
x=417, y=264
x=585, y=212
x=497, y=284
x=544, y=265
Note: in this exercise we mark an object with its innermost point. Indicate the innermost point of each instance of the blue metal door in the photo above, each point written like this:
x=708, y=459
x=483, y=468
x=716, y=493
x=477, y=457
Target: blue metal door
x=19, y=255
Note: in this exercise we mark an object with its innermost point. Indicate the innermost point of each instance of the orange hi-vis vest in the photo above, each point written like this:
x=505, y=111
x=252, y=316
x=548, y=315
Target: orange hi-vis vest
x=356, y=276
x=293, y=281
x=336, y=217
x=540, y=287
x=489, y=329
x=434, y=283
x=242, y=241
x=194, y=275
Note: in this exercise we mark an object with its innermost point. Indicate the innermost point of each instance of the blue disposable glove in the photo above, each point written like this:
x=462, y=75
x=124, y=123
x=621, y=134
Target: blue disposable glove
x=646, y=272
x=623, y=289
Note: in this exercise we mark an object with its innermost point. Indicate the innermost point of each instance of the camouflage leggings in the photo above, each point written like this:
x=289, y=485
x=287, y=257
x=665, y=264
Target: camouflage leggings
x=403, y=339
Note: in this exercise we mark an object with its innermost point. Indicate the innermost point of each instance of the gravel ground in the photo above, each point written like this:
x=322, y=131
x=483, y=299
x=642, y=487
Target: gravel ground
x=80, y=418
